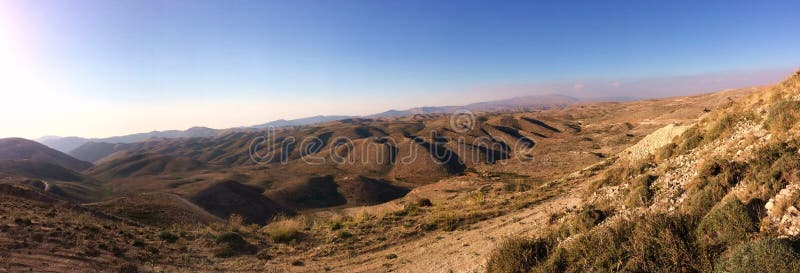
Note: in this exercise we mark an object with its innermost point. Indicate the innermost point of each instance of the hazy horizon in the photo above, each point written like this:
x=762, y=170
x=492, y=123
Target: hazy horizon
x=681, y=85
x=99, y=68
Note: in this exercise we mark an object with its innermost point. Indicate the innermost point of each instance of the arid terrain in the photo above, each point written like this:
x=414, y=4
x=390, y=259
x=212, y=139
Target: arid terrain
x=680, y=184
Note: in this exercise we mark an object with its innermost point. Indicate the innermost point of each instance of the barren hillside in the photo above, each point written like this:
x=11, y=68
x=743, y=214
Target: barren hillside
x=204, y=204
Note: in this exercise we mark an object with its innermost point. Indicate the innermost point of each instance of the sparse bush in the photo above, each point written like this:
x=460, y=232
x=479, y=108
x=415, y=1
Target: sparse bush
x=586, y=219
x=660, y=243
x=722, y=126
x=337, y=225
x=284, y=231
x=264, y=255
x=766, y=255
x=476, y=198
x=649, y=243
x=138, y=243
x=517, y=255
x=167, y=236
x=424, y=202
x=664, y=153
x=716, y=177
x=618, y=174
x=408, y=209
x=128, y=268
x=776, y=165
x=363, y=217
x=782, y=116
x=640, y=194
x=235, y=222
x=690, y=139
x=230, y=244
x=447, y=221
x=343, y=234
x=427, y=226
x=578, y=222
x=726, y=224
x=23, y=221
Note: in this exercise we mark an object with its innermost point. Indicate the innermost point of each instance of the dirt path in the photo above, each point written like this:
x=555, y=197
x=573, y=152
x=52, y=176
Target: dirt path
x=457, y=251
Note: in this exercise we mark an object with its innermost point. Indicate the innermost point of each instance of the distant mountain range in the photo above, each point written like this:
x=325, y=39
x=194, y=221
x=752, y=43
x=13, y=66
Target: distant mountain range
x=67, y=144
x=525, y=103
x=300, y=122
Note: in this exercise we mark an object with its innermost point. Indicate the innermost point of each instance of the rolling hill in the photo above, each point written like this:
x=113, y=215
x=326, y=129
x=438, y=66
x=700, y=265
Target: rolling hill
x=517, y=104
x=329, y=194
x=23, y=149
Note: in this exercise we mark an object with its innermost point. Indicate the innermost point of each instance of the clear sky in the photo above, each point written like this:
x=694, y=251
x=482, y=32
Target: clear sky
x=102, y=68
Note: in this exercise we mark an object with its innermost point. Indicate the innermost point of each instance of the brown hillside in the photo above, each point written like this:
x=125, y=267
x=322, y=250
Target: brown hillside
x=145, y=164
x=23, y=149
x=226, y=198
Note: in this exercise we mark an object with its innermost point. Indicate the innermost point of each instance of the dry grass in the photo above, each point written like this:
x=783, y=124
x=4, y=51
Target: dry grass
x=639, y=192
x=782, y=117
x=716, y=177
x=230, y=244
x=652, y=243
x=619, y=174
x=517, y=255
x=726, y=224
x=766, y=255
x=285, y=230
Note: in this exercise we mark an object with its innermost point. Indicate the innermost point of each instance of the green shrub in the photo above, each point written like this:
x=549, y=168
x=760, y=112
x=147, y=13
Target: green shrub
x=168, y=236
x=263, y=255
x=648, y=243
x=408, y=209
x=690, y=139
x=586, y=219
x=517, y=255
x=664, y=153
x=660, y=243
x=618, y=174
x=640, y=194
x=424, y=202
x=343, y=234
x=716, y=177
x=767, y=256
x=774, y=167
x=598, y=250
x=782, y=116
x=726, y=224
x=579, y=222
x=230, y=244
x=722, y=126
x=128, y=268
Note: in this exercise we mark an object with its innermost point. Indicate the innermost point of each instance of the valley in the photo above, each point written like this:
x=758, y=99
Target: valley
x=204, y=203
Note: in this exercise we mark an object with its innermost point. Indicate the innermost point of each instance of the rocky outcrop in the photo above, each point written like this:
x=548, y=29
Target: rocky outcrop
x=782, y=214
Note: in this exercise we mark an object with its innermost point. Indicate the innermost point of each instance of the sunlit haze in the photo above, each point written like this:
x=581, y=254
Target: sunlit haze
x=104, y=68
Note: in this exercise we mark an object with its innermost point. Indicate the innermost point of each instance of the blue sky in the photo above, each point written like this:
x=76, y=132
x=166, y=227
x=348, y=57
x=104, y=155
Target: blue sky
x=362, y=56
